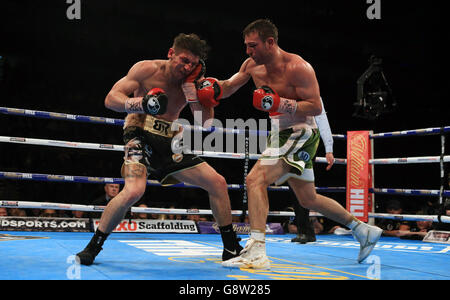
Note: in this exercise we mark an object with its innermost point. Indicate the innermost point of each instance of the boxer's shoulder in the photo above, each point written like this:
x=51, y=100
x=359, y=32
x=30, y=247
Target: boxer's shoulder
x=295, y=63
x=145, y=68
x=248, y=65
x=298, y=70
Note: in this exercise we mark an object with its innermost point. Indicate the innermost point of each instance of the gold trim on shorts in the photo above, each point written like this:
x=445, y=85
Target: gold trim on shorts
x=159, y=127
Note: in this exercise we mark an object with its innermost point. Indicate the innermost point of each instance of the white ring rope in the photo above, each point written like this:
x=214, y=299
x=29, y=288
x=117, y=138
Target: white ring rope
x=408, y=160
x=211, y=154
x=93, y=146
x=435, y=219
x=177, y=211
x=63, y=144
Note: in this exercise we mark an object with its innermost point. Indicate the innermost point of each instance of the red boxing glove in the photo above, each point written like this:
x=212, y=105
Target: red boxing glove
x=197, y=73
x=190, y=82
x=266, y=99
x=155, y=92
x=209, y=92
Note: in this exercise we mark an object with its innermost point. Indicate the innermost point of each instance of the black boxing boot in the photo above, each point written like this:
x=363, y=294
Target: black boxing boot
x=303, y=238
x=305, y=235
x=89, y=253
x=231, y=246
x=304, y=226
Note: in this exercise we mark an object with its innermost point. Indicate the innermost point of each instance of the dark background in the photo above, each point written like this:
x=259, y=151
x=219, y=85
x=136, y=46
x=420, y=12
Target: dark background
x=55, y=64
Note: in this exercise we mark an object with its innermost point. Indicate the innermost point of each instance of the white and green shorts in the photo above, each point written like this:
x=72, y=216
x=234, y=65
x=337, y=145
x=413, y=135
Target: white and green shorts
x=296, y=148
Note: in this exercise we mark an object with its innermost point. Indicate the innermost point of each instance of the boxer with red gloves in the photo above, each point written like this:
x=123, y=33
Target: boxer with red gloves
x=209, y=92
x=190, y=88
x=283, y=78
x=266, y=99
x=189, y=85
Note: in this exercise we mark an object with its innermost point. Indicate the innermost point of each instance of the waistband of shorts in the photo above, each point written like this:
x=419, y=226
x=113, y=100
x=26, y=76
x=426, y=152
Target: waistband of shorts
x=291, y=130
x=160, y=127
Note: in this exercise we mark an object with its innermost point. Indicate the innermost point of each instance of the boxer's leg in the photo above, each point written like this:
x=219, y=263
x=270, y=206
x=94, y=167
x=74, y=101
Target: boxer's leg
x=204, y=176
x=134, y=188
x=365, y=234
x=135, y=174
x=259, y=178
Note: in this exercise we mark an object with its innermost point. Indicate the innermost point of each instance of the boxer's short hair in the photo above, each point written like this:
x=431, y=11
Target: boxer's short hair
x=264, y=27
x=192, y=43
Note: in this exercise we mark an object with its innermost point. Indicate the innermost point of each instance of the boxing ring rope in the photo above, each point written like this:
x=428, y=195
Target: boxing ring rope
x=425, y=131
x=147, y=210
x=211, y=154
x=94, y=146
x=104, y=180
x=118, y=122
x=178, y=211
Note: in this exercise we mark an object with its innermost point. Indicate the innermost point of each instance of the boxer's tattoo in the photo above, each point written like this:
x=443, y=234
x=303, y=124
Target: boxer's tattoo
x=135, y=171
x=133, y=106
x=290, y=108
x=287, y=106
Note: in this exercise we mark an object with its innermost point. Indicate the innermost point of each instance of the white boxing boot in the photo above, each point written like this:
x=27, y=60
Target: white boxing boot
x=252, y=256
x=367, y=236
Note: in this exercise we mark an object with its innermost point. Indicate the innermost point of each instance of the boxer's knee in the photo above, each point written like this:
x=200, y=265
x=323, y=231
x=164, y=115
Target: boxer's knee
x=218, y=184
x=135, y=192
x=305, y=193
x=131, y=195
x=256, y=179
x=308, y=200
x=307, y=203
x=135, y=185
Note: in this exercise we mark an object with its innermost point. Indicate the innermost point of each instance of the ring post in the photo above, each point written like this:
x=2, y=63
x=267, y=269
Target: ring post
x=441, y=167
x=244, y=195
x=371, y=196
x=359, y=175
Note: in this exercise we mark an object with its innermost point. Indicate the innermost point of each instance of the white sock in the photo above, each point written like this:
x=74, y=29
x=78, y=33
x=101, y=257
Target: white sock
x=257, y=235
x=352, y=224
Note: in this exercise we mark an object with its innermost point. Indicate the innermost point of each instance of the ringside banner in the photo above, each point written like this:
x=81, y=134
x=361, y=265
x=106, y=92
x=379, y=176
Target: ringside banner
x=239, y=228
x=44, y=224
x=153, y=226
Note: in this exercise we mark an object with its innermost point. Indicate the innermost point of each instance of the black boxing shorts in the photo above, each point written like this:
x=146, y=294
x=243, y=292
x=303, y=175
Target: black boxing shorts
x=152, y=147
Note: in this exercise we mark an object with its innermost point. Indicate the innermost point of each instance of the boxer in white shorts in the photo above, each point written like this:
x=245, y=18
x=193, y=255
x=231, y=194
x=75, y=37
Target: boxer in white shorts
x=288, y=90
